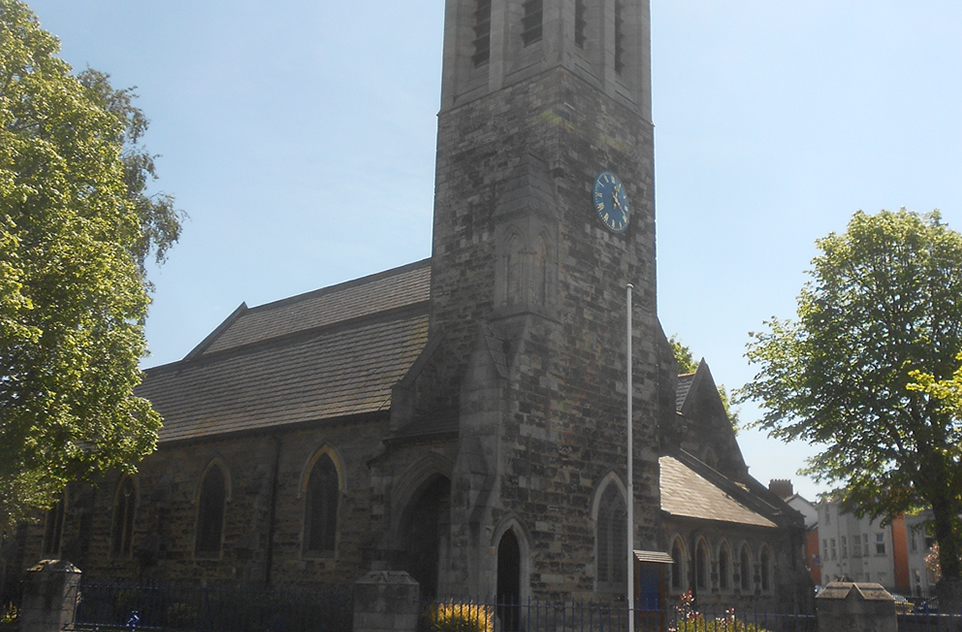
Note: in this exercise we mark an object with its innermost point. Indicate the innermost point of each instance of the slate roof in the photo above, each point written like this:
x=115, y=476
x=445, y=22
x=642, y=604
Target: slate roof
x=326, y=354
x=686, y=493
x=681, y=392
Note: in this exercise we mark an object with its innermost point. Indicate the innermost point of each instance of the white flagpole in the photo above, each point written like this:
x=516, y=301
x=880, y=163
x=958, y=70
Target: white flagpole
x=631, y=486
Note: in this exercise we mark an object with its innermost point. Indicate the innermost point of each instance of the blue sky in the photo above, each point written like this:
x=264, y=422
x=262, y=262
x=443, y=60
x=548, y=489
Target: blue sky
x=299, y=137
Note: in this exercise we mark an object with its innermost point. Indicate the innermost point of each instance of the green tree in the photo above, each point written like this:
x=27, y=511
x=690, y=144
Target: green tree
x=879, y=327
x=687, y=364
x=76, y=226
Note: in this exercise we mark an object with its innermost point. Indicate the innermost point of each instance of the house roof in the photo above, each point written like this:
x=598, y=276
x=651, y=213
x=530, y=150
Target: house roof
x=322, y=355
x=686, y=493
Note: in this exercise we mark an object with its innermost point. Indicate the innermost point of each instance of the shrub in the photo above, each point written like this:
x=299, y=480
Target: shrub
x=460, y=617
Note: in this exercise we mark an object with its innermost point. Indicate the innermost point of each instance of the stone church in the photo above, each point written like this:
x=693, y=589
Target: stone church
x=463, y=417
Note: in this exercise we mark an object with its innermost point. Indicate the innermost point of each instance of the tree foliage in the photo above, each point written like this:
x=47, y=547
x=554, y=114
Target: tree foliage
x=861, y=372
x=76, y=226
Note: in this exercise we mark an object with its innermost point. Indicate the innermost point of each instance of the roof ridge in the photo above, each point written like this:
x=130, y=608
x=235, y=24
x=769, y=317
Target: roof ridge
x=328, y=289
x=393, y=313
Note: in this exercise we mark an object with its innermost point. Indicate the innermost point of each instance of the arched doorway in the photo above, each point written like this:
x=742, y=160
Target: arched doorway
x=425, y=523
x=509, y=581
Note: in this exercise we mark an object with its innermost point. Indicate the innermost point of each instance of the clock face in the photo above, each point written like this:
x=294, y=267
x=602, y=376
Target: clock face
x=611, y=202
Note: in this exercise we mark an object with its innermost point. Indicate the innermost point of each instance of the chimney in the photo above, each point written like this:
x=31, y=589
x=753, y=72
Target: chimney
x=782, y=487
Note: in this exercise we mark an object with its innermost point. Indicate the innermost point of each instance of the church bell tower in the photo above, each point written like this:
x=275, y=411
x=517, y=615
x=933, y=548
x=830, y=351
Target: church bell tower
x=544, y=212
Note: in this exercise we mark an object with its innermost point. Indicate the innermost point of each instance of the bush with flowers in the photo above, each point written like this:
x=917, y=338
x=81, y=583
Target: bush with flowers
x=688, y=619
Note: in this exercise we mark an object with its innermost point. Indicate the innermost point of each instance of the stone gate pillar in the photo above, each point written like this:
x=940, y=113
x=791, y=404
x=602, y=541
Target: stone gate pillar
x=855, y=608
x=386, y=601
x=49, y=596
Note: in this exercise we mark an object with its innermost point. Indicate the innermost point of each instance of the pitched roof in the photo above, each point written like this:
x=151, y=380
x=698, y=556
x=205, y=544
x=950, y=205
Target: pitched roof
x=353, y=299
x=681, y=392
x=686, y=493
x=322, y=355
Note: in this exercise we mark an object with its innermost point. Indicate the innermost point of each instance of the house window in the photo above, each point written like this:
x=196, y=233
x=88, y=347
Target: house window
x=531, y=22
x=210, y=514
x=320, y=509
x=844, y=547
x=880, y=544
x=53, y=530
x=865, y=545
x=856, y=546
x=125, y=502
x=833, y=550
x=745, y=569
x=612, y=541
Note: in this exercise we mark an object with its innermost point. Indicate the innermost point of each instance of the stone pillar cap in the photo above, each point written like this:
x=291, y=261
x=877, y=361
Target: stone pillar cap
x=54, y=566
x=852, y=590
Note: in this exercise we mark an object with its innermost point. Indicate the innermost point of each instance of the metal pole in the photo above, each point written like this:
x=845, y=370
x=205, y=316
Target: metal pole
x=631, y=486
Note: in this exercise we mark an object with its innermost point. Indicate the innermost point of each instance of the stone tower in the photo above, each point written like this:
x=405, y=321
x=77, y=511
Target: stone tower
x=540, y=100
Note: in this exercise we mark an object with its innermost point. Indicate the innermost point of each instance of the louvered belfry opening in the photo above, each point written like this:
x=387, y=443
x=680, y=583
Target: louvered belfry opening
x=531, y=22
x=482, y=33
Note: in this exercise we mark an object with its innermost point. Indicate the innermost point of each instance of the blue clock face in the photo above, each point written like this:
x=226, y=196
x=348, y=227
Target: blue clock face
x=611, y=202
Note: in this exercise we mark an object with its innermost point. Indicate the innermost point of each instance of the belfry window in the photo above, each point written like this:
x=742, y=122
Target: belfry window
x=482, y=33
x=581, y=24
x=123, y=527
x=619, y=36
x=612, y=541
x=531, y=22
x=320, y=509
x=210, y=514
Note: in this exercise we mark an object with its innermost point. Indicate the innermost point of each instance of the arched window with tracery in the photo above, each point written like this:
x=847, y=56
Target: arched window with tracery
x=612, y=541
x=211, y=507
x=122, y=533
x=320, y=509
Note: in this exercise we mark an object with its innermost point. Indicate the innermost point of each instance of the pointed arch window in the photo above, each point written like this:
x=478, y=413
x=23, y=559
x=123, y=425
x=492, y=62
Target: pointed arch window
x=320, y=509
x=702, y=565
x=679, y=565
x=612, y=541
x=53, y=529
x=724, y=568
x=513, y=272
x=210, y=513
x=766, y=570
x=125, y=502
x=745, y=570
x=540, y=285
